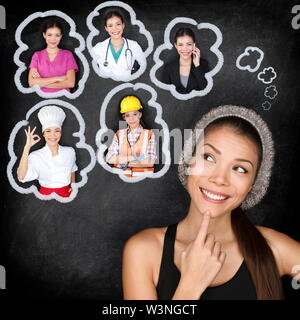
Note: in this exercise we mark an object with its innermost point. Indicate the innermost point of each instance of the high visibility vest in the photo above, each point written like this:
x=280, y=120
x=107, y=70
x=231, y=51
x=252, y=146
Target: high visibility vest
x=139, y=148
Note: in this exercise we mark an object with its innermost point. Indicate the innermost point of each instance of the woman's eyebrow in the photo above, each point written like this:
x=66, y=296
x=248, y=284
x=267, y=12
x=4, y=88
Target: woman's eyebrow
x=219, y=152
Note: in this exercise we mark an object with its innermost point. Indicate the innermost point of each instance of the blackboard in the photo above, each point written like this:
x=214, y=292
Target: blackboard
x=74, y=250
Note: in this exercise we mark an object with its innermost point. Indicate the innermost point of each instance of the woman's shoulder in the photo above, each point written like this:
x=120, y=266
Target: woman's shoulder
x=147, y=240
x=39, y=53
x=101, y=44
x=273, y=236
x=67, y=149
x=66, y=52
x=173, y=62
x=282, y=246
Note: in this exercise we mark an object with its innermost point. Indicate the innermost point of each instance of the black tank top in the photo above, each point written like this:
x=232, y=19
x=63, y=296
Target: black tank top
x=240, y=287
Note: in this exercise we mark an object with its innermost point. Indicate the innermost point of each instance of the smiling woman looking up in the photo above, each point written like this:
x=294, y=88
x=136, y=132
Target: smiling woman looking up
x=215, y=252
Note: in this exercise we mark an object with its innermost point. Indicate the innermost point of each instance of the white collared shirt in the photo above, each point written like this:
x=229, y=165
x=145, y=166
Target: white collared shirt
x=51, y=171
x=121, y=69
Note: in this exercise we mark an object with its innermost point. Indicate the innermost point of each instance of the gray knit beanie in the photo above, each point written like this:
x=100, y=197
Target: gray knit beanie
x=261, y=184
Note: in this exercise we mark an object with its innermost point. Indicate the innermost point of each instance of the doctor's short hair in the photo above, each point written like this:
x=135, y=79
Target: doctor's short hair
x=52, y=23
x=112, y=13
x=181, y=32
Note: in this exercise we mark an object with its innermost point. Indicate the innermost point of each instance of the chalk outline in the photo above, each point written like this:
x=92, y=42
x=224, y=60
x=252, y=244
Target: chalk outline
x=167, y=45
x=95, y=32
x=266, y=102
x=246, y=53
x=263, y=72
x=269, y=87
x=158, y=119
x=80, y=145
x=23, y=47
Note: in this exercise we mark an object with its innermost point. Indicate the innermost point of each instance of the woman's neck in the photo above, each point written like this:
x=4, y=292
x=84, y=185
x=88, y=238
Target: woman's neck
x=219, y=226
x=53, y=149
x=133, y=129
x=117, y=43
x=185, y=62
x=52, y=50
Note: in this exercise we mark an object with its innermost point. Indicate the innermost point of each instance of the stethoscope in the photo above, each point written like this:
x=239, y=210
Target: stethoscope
x=127, y=52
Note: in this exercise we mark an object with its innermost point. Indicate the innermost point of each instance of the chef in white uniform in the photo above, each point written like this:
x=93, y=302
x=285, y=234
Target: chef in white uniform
x=53, y=165
x=116, y=55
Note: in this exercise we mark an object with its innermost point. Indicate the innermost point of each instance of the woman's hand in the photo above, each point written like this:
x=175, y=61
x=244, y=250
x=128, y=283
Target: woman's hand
x=35, y=74
x=31, y=138
x=196, y=56
x=201, y=261
x=122, y=159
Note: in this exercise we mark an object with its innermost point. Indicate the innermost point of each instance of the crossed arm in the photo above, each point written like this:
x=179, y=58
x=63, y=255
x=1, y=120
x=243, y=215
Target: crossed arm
x=59, y=82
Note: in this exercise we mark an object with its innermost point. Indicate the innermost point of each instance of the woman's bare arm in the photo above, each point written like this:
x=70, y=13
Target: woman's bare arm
x=42, y=82
x=137, y=271
x=286, y=251
x=69, y=82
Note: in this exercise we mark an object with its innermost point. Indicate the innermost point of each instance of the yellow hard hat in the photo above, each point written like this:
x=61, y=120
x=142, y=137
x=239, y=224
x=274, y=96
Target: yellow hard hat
x=130, y=103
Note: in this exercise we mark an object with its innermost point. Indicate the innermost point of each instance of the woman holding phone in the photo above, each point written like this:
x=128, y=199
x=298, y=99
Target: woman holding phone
x=187, y=71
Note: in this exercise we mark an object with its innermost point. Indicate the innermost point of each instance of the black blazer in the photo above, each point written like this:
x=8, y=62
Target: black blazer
x=196, y=81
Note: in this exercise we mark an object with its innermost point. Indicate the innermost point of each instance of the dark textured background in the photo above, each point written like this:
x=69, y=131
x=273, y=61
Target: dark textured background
x=74, y=250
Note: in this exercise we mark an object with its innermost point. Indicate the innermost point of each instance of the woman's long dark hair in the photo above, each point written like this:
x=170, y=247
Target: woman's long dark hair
x=112, y=13
x=181, y=32
x=253, y=246
x=52, y=23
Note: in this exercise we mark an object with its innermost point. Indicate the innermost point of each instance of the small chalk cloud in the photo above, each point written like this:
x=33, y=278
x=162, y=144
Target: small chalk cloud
x=95, y=32
x=23, y=47
x=102, y=133
x=266, y=105
x=245, y=61
x=271, y=92
x=167, y=45
x=81, y=144
x=267, y=76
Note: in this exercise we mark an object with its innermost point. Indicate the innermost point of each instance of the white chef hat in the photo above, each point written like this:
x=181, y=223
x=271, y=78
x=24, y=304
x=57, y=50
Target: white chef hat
x=51, y=116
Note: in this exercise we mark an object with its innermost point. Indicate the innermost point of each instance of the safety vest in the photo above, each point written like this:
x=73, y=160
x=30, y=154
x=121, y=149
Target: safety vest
x=139, y=148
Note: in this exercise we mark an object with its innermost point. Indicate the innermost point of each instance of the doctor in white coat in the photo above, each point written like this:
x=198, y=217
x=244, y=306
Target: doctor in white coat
x=118, y=57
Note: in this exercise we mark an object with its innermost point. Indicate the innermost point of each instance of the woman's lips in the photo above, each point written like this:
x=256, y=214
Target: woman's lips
x=212, y=196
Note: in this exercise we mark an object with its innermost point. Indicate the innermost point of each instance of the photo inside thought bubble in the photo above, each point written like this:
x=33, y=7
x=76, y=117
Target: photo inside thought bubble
x=191, y=44
x=29, y=37
x=72, y=135
x=111, y=121
x=137, y=42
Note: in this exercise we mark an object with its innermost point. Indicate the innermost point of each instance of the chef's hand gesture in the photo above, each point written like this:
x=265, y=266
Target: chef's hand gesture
x=31, y=138
x=202, y=260
x=196, y=56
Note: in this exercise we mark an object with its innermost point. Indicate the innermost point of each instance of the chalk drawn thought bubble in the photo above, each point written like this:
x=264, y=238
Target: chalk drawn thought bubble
x=167, y=45
x=267, y=75
x=81, y=144
x=95, y=32
x=101, y=134
x=250, y=53
x=23, y=47
x=271, y=92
